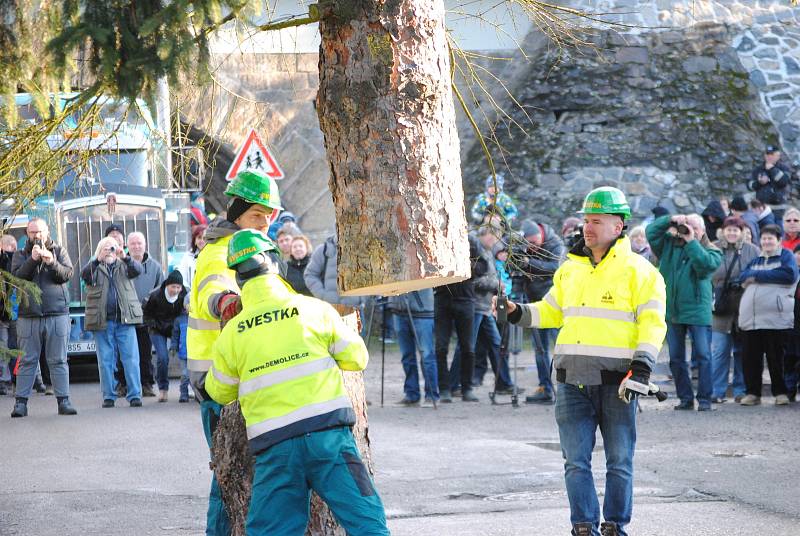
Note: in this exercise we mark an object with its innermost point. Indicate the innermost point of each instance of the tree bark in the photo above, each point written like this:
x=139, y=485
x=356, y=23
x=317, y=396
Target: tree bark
x=385, y=107
x=233, y=464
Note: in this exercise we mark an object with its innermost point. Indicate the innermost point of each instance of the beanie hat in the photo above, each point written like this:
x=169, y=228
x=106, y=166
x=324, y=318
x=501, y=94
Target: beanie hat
x=500, y=181
x=738, y=203
x=236, y=208
x=174, y=278
x=659, y=211
x=530, y=228
x=114, y=227
x=735, y=221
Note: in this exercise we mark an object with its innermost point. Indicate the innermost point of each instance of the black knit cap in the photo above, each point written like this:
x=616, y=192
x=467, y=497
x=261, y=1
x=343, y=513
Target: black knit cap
x=174, y=278
x=236, y=208
x=114, y=227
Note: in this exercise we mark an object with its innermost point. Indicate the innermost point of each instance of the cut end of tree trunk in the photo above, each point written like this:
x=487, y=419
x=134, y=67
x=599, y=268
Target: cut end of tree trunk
x=395, y=288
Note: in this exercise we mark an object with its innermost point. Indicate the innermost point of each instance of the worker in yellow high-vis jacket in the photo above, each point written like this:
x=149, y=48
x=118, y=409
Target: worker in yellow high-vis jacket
x=609, y=303
x=214, y=299
x=281, y=357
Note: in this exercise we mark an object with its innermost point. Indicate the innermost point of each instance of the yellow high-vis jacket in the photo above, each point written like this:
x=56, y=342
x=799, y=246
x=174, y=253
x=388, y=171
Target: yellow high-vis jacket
x=609, y=314
x=282, y=358
x=211, y=277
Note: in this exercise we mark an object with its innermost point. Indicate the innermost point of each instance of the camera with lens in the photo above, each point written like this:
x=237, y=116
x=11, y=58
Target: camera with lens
x=38, y=242
x=113, y=249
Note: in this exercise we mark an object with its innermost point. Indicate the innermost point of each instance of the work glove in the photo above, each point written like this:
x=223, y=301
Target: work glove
x=229, y=305
x=636, y=382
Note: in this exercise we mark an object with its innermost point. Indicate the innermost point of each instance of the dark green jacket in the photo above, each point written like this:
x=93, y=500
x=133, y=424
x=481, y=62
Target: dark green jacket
x=687, y=271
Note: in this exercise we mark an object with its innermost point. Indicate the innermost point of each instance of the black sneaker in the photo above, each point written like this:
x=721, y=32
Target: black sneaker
x=509, y=390
x=136, y=402
x=108, y=403
x=408, y=402
x=20, y=408
x=689, y=405
x=184, y=398
x=445, y=397
x=39, y=387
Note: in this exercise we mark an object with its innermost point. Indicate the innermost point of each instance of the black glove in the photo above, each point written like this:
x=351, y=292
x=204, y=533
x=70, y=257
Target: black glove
x=636, y=382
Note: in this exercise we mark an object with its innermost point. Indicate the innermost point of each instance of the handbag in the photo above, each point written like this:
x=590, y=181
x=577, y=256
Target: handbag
x=726, y=297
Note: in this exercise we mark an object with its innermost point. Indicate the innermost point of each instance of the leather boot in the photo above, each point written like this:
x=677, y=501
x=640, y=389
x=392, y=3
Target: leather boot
x=20, y=408
x=64, y=406
x=608, y=529
x=582, y=529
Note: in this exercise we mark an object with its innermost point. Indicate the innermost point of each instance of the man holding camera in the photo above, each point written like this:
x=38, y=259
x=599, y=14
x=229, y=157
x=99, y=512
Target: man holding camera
x=609, y=303
x=687, y=260
x=770, y=180
x=44, y=323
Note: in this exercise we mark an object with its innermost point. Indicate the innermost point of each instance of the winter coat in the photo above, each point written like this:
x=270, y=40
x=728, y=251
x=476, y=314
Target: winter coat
x=465, y=290
x=321, y=275
x=767, y=217
x=768, y=302
x=747, y=252
x=687, y=270
x=52, y=280
x=186, y=268
x=751, y=220
x=294, y=274
x=773, y=192
x=487, y=283
x=98, y=278
x=502, y=203
x=790, y=242
x=160, y=314
x=647, y=253
x=539, y=263
x=419, y=302
x=713, y=210
x=150, y=278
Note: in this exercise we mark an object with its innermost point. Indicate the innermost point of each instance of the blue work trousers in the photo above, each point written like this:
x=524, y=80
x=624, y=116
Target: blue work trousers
x=217, y=522
x=579, y=412
x=326, y=462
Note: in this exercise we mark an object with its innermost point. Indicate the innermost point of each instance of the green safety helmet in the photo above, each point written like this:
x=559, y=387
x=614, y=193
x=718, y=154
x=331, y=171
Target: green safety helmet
x=246, y=245
x=255, y=187
x=606, y=200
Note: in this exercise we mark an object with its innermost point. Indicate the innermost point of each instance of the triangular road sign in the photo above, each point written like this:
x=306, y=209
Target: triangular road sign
x=254, y=155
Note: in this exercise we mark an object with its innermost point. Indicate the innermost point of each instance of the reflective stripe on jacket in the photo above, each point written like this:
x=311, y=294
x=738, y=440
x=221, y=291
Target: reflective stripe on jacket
x=281, y=358
x=607, y=313
x=211, y=277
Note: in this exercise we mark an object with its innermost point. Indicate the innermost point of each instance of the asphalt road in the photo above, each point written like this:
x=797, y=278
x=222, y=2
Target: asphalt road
x=463, y=469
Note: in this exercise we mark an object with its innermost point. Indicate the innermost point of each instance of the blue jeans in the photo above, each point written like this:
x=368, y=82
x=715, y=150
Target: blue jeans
x=484, y=327
x=701, y=348
x=118, y=338
x=217, y=522
x=179, y=330
x=542, y=339
x=579, y=411
x=162, y=360
x=408, y=351
x=722, y=345
x=327, y=462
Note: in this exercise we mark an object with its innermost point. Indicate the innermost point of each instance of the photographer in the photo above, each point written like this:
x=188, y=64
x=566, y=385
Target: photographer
x=44, y=323
x=535, y=261
x=687, y=261
x=770, y=179
x=113, y=310
x=725, y=335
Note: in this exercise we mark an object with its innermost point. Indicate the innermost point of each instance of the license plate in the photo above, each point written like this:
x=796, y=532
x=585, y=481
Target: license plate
x=82, y=347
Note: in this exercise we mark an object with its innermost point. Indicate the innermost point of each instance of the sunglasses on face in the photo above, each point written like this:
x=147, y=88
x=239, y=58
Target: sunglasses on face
x=792, y=221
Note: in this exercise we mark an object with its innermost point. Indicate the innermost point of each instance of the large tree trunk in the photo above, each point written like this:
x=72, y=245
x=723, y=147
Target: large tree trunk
x=233, y=464
x=385, y=107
